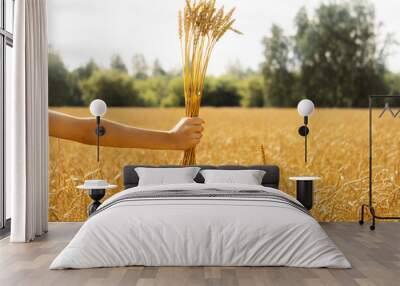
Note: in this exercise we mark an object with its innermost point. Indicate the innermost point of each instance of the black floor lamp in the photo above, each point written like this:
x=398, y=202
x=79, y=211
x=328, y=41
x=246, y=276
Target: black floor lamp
x=98, y=108
x=305, y=184
x=97, y=188
x=305, y=109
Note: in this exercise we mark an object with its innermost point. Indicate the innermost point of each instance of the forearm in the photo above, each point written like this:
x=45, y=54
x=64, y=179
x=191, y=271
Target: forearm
x=117, y=135
x=123, y=136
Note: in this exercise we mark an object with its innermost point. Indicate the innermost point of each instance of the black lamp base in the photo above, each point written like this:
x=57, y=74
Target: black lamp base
x=100, y=131
x=303, y=131
x=96, y=195
x=304, y=193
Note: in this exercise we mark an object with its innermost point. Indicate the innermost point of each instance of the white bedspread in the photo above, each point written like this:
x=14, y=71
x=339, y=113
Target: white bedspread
x=200, y=231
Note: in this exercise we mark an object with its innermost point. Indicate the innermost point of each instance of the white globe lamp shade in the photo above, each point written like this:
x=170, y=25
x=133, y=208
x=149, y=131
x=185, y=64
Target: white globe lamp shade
x=305, y=107
x=98, y=107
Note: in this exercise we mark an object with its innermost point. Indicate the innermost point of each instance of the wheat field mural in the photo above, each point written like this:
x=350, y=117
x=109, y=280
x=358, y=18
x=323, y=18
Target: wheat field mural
x=338, y=152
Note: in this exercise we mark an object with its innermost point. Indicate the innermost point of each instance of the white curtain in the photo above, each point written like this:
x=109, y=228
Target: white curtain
x=27, y=123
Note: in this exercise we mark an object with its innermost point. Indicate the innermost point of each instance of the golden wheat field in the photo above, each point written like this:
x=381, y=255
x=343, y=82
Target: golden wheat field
x=338, y=152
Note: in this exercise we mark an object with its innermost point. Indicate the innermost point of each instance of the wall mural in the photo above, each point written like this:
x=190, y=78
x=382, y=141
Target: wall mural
x=249, y=113
x=338, y=153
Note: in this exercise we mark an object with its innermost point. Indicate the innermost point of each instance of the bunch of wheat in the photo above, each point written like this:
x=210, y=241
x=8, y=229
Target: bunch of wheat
x=201, y=26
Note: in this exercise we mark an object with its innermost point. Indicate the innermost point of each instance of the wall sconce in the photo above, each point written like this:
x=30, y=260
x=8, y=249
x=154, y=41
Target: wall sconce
x=305, y=109
x=98, y=108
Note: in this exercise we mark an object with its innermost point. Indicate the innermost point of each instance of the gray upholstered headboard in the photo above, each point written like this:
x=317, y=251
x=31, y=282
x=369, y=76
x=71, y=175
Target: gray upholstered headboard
x=271, y=177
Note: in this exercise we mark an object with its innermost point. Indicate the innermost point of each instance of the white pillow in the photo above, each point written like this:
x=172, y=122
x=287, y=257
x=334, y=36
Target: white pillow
x=248, y=177
x=166, y=176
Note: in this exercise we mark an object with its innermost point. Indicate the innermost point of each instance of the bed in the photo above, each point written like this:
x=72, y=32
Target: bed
x=198, y=224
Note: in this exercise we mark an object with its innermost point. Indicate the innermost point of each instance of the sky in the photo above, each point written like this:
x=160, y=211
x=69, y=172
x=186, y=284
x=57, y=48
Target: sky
x=83, y=29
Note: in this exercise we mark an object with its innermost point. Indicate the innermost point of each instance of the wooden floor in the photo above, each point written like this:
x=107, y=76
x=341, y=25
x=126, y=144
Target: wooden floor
x=375, y=257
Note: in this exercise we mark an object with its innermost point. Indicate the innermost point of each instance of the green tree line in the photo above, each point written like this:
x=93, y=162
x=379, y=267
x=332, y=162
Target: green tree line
x=336, y=58
x=143, y=87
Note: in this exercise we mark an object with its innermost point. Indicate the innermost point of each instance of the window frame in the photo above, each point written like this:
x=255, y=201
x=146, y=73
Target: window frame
x=6, y=39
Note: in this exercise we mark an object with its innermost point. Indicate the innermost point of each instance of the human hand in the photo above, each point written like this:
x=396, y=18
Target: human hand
x=187, y=133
